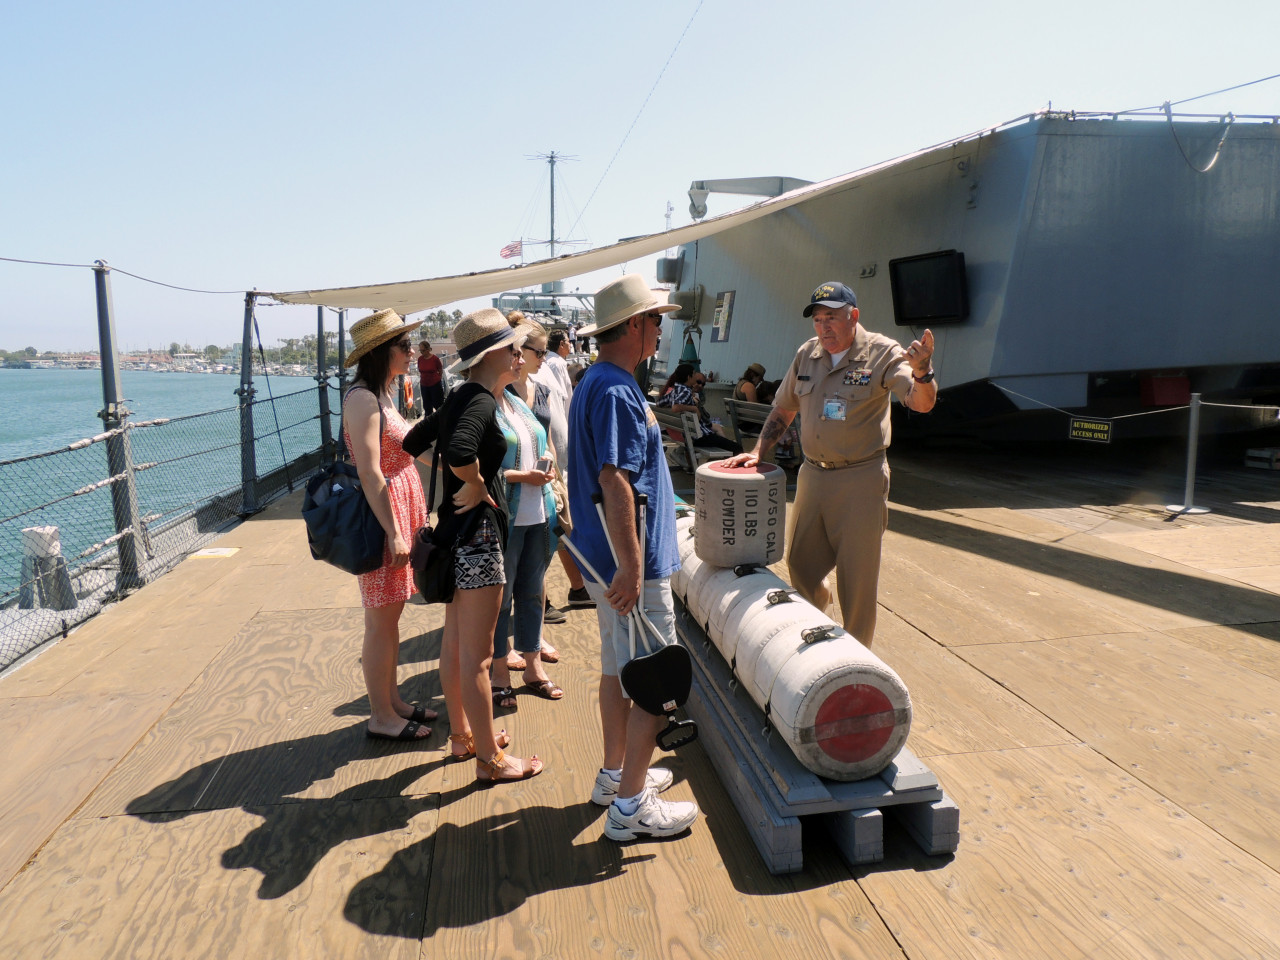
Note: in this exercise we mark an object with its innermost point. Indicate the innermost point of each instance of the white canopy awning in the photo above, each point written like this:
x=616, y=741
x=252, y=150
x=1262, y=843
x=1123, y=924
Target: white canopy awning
x=412, y=296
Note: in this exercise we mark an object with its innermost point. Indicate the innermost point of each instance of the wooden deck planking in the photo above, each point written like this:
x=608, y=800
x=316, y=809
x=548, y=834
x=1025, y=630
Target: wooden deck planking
x=957, y=596
x=1254, y=647
x=1200, y=729
x=279, y=714
x=955, y=707
x=1061, y=853
x=229, y=883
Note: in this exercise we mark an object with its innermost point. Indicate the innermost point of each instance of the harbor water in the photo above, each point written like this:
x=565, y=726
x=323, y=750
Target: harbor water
x=192, y=458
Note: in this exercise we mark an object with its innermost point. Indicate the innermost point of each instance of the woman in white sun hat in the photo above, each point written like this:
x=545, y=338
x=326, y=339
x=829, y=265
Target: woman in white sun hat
x=374, y=433
x=474, y=510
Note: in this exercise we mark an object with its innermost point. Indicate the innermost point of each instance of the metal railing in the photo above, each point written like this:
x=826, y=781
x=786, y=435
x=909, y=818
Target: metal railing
x=88, y=523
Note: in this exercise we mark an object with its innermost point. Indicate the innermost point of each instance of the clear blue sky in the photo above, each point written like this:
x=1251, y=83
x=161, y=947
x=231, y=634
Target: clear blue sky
x=290, y=145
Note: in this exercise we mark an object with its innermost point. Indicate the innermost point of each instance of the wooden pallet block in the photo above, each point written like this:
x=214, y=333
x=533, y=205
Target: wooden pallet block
x=773, y=791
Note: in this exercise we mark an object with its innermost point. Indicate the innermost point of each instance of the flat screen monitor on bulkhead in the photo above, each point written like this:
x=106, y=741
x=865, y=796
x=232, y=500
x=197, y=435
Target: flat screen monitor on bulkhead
x=929, y=288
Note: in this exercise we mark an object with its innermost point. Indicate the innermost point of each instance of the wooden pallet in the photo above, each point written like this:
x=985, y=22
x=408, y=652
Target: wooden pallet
x=774, y=792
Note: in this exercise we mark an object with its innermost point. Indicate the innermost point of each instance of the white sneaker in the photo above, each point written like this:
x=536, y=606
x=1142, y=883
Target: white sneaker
x=606, y=788
x=653, y=818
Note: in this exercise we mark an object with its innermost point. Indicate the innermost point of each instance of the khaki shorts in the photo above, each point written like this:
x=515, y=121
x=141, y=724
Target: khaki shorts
x=615, y=644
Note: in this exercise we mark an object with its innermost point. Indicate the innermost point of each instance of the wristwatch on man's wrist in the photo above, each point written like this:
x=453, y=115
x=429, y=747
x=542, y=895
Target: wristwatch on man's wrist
x=927, y=378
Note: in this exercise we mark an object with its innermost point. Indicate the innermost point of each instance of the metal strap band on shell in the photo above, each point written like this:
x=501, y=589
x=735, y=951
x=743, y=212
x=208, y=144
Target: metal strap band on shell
x=776, y=597
x=848, y=726
x=814, y=634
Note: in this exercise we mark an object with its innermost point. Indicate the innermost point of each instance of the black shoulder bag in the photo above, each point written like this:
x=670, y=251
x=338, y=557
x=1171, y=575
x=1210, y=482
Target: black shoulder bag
x=342, y=528
x=431, y=555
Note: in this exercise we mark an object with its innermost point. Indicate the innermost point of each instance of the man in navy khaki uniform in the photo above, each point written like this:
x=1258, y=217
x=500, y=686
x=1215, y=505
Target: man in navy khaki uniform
x=839, y=383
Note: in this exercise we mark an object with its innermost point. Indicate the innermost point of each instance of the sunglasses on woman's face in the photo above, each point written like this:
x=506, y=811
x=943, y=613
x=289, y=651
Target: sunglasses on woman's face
x=405, y=343
x=537, y=353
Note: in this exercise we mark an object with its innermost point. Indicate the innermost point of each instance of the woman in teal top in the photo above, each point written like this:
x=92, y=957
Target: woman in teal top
x=531, y=543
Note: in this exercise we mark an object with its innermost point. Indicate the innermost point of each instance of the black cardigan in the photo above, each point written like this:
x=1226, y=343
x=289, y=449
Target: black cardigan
x=467, y=428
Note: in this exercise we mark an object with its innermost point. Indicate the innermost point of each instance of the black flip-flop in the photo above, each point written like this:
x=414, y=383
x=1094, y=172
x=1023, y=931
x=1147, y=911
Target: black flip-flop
x=419, y=714
x=499, y=694
x=410, y=732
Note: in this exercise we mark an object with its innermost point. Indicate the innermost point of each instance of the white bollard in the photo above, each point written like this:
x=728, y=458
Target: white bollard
x=45, y=581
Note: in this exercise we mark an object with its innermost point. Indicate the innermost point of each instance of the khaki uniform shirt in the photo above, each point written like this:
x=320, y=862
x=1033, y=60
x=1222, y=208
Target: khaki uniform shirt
x=860, y=384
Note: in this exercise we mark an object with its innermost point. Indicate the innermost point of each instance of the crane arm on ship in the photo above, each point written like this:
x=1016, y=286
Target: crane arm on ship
x=751, y=186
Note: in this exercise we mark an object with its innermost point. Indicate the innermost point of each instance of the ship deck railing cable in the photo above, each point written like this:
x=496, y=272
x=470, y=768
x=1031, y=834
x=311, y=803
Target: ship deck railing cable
x=186, y=474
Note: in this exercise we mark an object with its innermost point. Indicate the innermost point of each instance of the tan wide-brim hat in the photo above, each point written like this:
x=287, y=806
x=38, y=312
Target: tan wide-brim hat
x=375, y=330
x=479, y=333
x=757, y=369
x=622, y=299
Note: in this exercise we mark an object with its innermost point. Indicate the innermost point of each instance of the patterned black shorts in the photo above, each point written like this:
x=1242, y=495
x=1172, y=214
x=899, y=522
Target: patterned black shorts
x=478, y=562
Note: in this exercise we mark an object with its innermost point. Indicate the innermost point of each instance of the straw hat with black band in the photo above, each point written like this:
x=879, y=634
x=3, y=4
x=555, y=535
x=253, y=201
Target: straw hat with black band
x=479, y=333
x=375, y=330
x=621, y=299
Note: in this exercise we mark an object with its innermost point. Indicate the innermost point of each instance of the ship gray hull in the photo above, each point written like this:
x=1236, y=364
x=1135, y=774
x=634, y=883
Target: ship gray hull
x=1106, y=273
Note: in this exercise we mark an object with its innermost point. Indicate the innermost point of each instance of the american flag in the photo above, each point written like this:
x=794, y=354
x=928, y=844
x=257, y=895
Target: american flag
x=513, y=249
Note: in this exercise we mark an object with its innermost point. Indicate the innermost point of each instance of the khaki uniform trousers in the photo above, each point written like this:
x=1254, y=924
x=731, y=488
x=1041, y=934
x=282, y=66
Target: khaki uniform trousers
x=841, y=516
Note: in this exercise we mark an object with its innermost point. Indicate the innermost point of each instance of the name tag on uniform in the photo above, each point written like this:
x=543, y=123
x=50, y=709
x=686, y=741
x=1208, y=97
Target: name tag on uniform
x=833, y=408
x=856, y=378
x=803, y=376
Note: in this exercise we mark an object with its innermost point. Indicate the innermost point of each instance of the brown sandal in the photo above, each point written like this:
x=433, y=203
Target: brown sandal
x=468, y=742
x=497, y=764
x=545, y=688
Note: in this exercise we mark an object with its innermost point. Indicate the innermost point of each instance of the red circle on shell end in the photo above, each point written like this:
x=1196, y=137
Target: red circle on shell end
x=858, y=706
x=718, y=466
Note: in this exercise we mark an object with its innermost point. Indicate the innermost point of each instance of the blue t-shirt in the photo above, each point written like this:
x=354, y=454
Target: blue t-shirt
x=611, y=423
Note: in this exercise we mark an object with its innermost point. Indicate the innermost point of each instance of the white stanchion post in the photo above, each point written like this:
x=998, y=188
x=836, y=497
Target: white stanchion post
x=1193, y=443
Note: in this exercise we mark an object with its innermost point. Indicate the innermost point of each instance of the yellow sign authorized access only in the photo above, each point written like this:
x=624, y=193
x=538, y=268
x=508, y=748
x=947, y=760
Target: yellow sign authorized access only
x=1097, y=431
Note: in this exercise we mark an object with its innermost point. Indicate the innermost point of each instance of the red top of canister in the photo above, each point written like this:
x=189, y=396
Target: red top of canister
x=720, y=466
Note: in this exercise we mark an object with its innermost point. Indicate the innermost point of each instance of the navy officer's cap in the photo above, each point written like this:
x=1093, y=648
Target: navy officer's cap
x=831, y=294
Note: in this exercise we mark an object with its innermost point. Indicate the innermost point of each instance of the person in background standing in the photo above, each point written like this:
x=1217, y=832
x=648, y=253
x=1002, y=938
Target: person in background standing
x=840, y=383
x=430, y=378
x=554, y=374
x=555, y=365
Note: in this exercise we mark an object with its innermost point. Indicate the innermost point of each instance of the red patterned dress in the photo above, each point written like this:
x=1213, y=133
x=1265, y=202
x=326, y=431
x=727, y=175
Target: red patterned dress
x=388, y=585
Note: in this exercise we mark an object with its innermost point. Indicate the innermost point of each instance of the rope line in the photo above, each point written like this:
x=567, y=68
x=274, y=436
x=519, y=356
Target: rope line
x=1176, y=103
x=173, y=286
x=609, y=166
x=284, y=458
x=1123, y=416
x=1243, y=406
x=47, y=263
x=91, y=266
x=1217, y=151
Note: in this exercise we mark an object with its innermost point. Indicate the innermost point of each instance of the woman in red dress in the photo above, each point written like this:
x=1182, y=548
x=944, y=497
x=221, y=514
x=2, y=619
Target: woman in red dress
x=374, y=431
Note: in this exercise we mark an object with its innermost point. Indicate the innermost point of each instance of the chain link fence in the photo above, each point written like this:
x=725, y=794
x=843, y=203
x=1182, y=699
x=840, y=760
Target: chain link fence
x=65, y=549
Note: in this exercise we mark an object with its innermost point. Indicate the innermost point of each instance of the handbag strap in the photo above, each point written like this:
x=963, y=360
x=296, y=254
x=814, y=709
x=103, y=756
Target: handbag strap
x=382, y=417
x=435, y=459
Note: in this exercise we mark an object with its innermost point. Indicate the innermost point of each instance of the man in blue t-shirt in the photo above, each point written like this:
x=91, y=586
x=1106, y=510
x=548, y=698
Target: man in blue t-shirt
x=617, y=452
